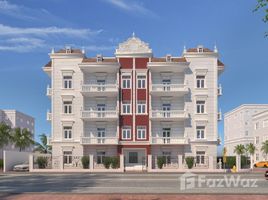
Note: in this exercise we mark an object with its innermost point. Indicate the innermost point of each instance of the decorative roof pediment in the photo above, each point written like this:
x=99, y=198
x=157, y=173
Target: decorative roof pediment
x=133, y=45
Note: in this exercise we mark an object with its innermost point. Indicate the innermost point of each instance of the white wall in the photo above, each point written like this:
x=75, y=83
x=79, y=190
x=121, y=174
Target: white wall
x=12, y=158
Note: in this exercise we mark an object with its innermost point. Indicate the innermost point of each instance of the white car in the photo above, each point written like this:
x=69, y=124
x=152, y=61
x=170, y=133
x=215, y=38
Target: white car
x=21, y=167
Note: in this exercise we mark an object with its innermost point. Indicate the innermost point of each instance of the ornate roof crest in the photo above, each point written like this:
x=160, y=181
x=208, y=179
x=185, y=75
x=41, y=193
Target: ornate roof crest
x=133, y=45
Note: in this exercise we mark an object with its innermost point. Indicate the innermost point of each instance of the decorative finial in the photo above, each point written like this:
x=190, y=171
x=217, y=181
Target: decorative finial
x=184, y=49
x=133, y=34
x=215, y=48
x=52, y=50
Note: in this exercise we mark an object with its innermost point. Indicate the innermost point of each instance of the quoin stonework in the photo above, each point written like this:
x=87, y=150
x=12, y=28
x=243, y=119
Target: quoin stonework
x=136, y=105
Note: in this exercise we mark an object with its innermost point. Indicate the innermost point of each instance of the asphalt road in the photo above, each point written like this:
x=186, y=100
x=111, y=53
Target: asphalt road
x=250, y=183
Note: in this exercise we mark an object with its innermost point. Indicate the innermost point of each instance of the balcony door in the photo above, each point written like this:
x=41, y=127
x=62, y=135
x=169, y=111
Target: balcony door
x=166, y=109
x=101, y=85
x=166, y=135
x=166, y=84
x=101, y=110
x=101, y=135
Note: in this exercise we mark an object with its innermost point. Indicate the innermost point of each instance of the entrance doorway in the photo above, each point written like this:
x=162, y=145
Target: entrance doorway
x=135, y=159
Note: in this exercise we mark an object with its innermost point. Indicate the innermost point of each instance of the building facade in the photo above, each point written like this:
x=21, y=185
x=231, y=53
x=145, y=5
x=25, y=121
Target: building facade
x=15, y=119
x=239, y=126
x=260, y=133
x=135, y=104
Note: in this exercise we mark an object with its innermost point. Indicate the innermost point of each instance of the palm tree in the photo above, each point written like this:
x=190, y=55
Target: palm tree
x=239, y=149
x=22, y=138
x=251, y=150
x=4, y=134
x=43, y=147
x=264, y=148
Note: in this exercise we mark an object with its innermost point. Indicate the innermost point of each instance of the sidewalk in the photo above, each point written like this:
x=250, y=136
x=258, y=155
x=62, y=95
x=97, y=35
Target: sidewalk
x=128, y=197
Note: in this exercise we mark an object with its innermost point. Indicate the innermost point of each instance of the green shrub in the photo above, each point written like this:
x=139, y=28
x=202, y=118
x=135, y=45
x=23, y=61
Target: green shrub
x=160, y=161
x=42, y=162
x=230, y=162
x=189, y=162
x=85, y=162
x=115, y=162
x=1, y=163
x=107, y=162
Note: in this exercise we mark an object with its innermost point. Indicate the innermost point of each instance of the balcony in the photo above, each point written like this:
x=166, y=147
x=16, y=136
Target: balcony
x=169, y=90
x=109, y=90
x=219, y=90
x=98, y=140
x=49, y=91
x=169, y=140
x=219, y=116
x=49, y=116
x=174, y=115
x=94, y=115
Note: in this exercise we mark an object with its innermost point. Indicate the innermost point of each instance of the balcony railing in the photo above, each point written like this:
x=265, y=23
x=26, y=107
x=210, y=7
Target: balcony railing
x=49, y=116
x=219, y=90
x=99, y=140
x=159, y=114
x=219, y=116
x=49, y=91
x=169, y=140
x=169, y=88
x=93, y=114
x=99, y=88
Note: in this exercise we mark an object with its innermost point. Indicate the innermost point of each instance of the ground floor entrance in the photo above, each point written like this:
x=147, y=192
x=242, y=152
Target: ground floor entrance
x=135, y=159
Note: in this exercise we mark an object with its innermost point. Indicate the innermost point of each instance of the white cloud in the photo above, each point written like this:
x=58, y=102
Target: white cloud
x=132, y=6
x=83, y=33
x=98, y=48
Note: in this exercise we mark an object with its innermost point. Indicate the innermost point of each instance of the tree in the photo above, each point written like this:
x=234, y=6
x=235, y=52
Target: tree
x=263, y=4
x=22, y=138
x=43, y=147
x=264, y=148
x=250, y=148
x=224, y=156
x=4, y=134
x=239, y=149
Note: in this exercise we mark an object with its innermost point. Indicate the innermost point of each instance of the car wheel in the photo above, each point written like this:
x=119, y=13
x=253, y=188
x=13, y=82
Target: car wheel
x=265, y=166
x=255, y=165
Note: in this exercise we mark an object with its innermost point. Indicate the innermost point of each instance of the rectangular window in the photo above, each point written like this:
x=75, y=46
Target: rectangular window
x=166, y=107
x=200, y=81
x=101, y=85
x=133, y=157
x=67, y=82
x=167, y=157
x=257, y=139
x=166, y=84
x=200, y=157
x=100, y=157
x=200, y=107
x=67, y=157
x=126, y=108
x=257, y=125
x=141, y=81
x=265, y=123
x=166, y=135
x=67, y=131
x=141, y=132
x=126, y=133
x=101, y=135
x=126, y=82
x=141, y=107
x=67, y=107
x=101, y=110
x=200, y=132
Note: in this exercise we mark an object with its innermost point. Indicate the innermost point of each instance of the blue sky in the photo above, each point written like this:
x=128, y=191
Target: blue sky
x=30, y=28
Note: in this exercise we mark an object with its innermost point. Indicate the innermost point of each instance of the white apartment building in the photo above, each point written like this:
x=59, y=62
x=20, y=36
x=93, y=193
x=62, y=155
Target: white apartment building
x=15, y=119
x=260, y=133
x=239, y=125
x=135, y=104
